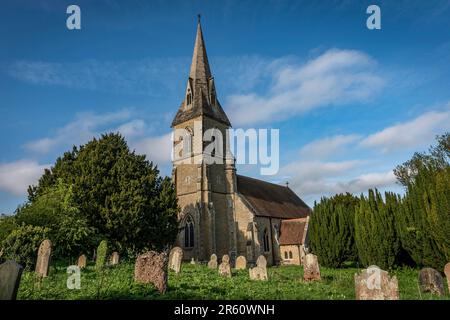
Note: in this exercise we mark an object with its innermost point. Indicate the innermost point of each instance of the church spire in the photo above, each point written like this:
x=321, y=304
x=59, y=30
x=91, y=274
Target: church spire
x=200, y=98
x=200, y=70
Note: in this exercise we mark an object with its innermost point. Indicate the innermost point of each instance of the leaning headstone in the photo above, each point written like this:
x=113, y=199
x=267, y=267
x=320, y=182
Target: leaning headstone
x=175, y=258
x=212, y=263
x=431, y=280
x=260, y=271
x=447, y=274
x=102, y=251
x=151, y=267
x=241, y=263
x=375, y=284
x=10, y=273
x=43, y=259
x=311, y=269
x=224, y=267
x=81, y=261
x=114, y=259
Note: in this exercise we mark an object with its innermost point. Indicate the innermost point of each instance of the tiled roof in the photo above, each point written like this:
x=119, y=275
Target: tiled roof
x=271, y=200
x=291, y=231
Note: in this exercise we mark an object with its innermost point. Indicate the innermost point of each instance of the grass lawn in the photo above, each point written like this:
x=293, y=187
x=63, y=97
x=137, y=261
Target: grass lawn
x=199, y=282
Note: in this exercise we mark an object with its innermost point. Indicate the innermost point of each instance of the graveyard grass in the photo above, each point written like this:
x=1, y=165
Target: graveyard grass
x=199, y=282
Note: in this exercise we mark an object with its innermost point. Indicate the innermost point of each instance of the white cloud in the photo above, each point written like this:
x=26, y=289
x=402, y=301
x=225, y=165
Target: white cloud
x=153, y=77
x=317, y=179
x=314, y=170
x=157, y=149
x=334, y=78
x=85, y=126
x=15, y=177
x=145, y=76
x=82, y=129
x=327, y=146
x=132, y=129
x=411, y=134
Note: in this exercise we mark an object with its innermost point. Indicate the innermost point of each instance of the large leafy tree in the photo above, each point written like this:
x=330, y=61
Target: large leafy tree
x=56, y=210
x=424, y=221
x=22, y=244
x=119, y=193
x=331, y=230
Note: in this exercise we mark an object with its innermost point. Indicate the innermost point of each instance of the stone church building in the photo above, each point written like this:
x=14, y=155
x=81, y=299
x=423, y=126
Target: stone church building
x=223, y=212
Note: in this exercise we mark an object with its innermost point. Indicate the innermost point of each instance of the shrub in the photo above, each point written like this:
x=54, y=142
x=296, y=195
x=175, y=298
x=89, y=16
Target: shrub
x=331, y=230
x=375, y=233
x=23, y=243
x=102, y=252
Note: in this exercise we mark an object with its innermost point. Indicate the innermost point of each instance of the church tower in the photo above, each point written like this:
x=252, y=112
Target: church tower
x=204, y=177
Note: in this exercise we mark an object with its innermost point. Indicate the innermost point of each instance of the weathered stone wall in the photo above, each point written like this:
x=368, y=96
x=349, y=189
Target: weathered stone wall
x=247, y=238
x=296, y=254
x=262, y=223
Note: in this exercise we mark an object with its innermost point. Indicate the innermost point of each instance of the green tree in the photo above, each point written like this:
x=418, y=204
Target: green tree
x=23, y=243
x=331, y=230
x=119, y=193
x=56, y=210
x=7, y=224
x=375, y=233
x=424, y=221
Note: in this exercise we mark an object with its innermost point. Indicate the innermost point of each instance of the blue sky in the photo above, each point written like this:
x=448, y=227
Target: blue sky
x=350, y=103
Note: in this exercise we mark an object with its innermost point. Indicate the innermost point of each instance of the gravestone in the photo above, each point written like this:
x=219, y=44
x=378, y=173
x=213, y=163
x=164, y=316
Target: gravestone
x=175, y=259
x=431, y=280
x=447, y=275
x=375, y=284
x=81, y=261
x=212, y=264
x=241, y=263
x=192, y=261
x=151, y=267
x=114, y=259
x=43, y=258
x=10, y=273
x=311, y=269
x=224, y=267
x=260, y=271
x=101, y=255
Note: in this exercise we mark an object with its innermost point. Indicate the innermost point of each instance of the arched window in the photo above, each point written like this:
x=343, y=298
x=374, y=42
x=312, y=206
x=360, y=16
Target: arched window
x=187, y=146
x=188, y=97
x=290, y=254
x=285, y=255
x=266, y=240
x=213, y=96
x=189, y=233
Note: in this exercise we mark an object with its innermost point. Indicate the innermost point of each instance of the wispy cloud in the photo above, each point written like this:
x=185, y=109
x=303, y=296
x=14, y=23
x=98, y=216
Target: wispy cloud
x=87, y=125
x=313, y=176
x=15, y=177
x=153, y=77
x=327, y=146
x=146, y=76
x=410, y=134
x=315, y=179
x=83, y=128
x=158, y=149
x=333, y=78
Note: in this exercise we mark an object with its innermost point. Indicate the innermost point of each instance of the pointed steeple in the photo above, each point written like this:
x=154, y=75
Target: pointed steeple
x=200, y=97
x=200, y=70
